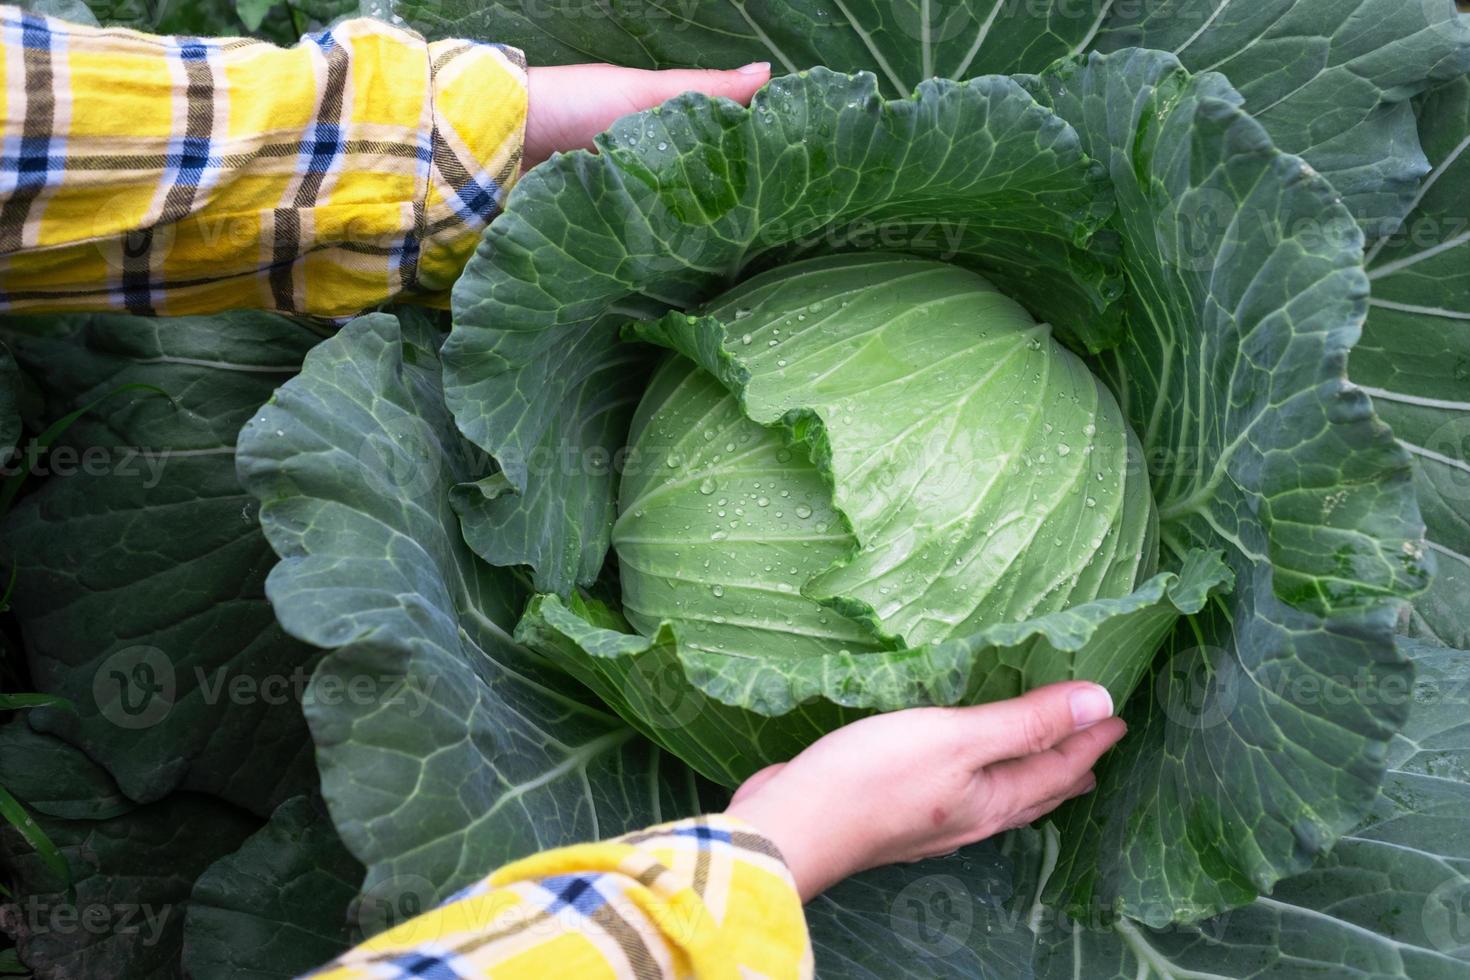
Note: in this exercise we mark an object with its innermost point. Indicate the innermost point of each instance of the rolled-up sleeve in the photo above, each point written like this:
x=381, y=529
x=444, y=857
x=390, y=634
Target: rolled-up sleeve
x=177, y=175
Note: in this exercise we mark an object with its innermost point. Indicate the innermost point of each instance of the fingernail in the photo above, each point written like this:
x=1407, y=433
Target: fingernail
x=755, y=68
x=1091, y=705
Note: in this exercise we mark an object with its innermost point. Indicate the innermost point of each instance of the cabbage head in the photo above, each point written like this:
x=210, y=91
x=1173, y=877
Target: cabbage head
x=910, y=458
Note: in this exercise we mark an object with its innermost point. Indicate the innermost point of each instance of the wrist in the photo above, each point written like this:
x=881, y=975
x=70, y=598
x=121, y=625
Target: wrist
x=816, y=855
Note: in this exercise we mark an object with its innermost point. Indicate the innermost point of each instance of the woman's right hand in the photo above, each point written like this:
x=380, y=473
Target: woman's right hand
x=926, y=781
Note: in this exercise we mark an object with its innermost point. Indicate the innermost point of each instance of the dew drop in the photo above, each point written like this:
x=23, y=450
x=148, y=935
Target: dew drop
x=707, y=486
x=763, y=501
x=718, y=590
x=719, y=536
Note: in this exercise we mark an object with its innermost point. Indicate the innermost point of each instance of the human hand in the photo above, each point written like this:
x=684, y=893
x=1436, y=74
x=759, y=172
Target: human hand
x=926, y=781
x=567, y=106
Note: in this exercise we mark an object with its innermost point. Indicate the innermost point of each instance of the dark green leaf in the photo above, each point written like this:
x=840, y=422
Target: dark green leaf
x=278, y=907
x=119, y=912
x=903, y=43
x=10, y=425
x=54, y=779
x=141, y=566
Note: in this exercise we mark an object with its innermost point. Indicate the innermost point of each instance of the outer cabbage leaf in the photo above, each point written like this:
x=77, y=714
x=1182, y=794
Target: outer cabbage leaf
x=140, y=568
x=1329, y=79
x=681, y=200
x=1234, y=376
x=1389, y=901
x=946, y=918
x=445, y=749
x=1414, y=358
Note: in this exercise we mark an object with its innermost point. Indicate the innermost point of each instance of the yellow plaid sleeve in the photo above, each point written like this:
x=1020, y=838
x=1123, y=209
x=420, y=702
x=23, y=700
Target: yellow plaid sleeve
x=176, y=175
x=706, y=897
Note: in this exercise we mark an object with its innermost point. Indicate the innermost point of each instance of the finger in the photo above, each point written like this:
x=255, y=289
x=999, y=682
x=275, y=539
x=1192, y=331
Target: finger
x=1033, y=722
x=568, y=105
x=1032, y=814
x=755, y=782
x=739, y=85
x=1019, y=784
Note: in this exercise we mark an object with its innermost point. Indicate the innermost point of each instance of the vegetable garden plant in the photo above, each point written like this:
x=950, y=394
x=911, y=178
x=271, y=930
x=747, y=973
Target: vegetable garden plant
x=995, y=344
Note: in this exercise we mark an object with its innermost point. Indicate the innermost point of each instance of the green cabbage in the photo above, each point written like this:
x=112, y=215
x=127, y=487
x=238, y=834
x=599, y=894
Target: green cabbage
x=935, y=463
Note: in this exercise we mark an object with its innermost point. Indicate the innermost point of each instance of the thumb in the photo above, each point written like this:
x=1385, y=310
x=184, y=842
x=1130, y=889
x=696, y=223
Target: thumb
x=1035, y=721
x=570, y=104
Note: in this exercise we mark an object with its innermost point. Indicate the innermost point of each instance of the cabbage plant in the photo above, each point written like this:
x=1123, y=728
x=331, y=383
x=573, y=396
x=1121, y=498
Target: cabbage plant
x=1073, y=439
x=1020, y=342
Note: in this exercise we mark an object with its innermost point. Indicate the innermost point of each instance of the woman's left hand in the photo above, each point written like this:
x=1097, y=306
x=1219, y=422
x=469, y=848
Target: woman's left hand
x=569, y=105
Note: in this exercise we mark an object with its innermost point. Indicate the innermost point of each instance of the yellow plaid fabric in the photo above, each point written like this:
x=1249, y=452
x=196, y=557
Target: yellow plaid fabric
x=174, y=175
x=706, y=897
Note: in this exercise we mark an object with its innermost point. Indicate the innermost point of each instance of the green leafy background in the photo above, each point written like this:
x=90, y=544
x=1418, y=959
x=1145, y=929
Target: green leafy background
x=212, y=815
